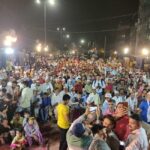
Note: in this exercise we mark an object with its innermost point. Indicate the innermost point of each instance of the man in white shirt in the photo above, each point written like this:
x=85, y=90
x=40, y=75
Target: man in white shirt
x=93, y=98
x=26, y=97
x=117, y=98
x=137, y=139
x=132, y=102
x=47, y=85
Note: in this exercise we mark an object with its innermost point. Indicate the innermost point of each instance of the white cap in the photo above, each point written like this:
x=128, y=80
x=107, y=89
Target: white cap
x=108, y=95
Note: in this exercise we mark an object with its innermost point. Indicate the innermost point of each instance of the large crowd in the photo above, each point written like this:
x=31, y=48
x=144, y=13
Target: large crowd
x=97, y=104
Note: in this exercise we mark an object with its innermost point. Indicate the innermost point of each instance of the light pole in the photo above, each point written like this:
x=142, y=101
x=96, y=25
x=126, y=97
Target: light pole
x=52, y=3
x=62, y=30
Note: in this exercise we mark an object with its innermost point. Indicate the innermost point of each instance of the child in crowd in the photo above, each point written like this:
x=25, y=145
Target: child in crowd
x=32, y=132
x=26, y=118
x=19, y=141
x=17, y=120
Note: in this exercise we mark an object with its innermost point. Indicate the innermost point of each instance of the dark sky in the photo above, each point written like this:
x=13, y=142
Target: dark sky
x=26, y=17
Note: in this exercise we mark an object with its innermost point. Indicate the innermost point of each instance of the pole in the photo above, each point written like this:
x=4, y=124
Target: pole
x=105, y=44
x=45, y=25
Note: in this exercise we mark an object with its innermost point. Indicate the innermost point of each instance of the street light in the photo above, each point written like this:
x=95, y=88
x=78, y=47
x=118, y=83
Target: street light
x=61, y=31
x=39, y=47
x=67, y=36
x=9, y=50
x=115, y=52
x=145, y=51
x=52, y=3
x=126, y=50
x=38, y=1
x=9, y=40
x=82, y=41
x=46, y=48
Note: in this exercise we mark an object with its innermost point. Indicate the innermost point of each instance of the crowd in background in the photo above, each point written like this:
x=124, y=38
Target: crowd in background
x=98, y=105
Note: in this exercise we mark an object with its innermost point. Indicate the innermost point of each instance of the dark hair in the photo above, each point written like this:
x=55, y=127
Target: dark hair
x=111, y=118
x=26, y=83
x=19, y=130
x=17, y=113
x=66, y=97
x=136, y=117
x=4, y=90
x=9, y=96
x=96, y=128
x=14, y=82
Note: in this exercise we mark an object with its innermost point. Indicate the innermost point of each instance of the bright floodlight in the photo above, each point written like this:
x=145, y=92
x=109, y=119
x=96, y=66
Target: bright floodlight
x=9, y=50
x=82, y=41
x=115, y=52
x=39, y=47
x=38, y=1
x=73, y=52
x=52, y=2
x=9, y=40
x=126, y=50
x=46, y=49
x=14, y=39
x=67, y=36
x=145, y=51
x=58, y=29
x=64, y=29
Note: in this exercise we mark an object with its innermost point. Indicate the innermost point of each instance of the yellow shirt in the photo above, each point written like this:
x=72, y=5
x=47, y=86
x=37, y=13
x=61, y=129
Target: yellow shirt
x=62, y=111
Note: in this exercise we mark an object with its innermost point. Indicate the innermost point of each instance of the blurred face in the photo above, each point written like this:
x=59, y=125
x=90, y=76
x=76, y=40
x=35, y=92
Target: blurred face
x=17, y=116
x=5, y=122
x=31, y=122
x=26, y=115
x=19, y=134
x=101, y=134
x=107, y=123
x=133, y=124
x=120, y=107
x=111, y=105
x=79, y=96
x=148, y=96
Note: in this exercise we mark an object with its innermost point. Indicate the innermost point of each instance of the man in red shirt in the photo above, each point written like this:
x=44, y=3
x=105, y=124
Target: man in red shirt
x=122, y=120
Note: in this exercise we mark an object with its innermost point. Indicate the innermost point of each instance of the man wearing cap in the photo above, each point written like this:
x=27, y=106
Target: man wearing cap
x=78, y=136
x=137, y=139
x=105, y=105
x=93, y=98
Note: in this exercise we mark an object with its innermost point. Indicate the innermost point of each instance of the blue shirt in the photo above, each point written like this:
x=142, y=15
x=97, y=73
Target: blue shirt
x=144, y=107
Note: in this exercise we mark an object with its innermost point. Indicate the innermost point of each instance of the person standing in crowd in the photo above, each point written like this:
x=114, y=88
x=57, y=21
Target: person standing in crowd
x=122, y=120
x=111, y=138
x=111, y=108
x=137, y=139
x=93, y=98
x=99, y=142
x=105, y=104
x=132, y=102
x=26, y=97
x=45, y=104
x=79, y=134
x=145, y=109
x=63, y=121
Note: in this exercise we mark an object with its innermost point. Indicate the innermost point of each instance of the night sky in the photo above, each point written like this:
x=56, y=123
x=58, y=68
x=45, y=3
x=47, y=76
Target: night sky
x=26, y=17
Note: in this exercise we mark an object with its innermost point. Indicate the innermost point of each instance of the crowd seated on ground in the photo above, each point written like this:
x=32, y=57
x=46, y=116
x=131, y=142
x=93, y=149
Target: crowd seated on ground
x=98, y=105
